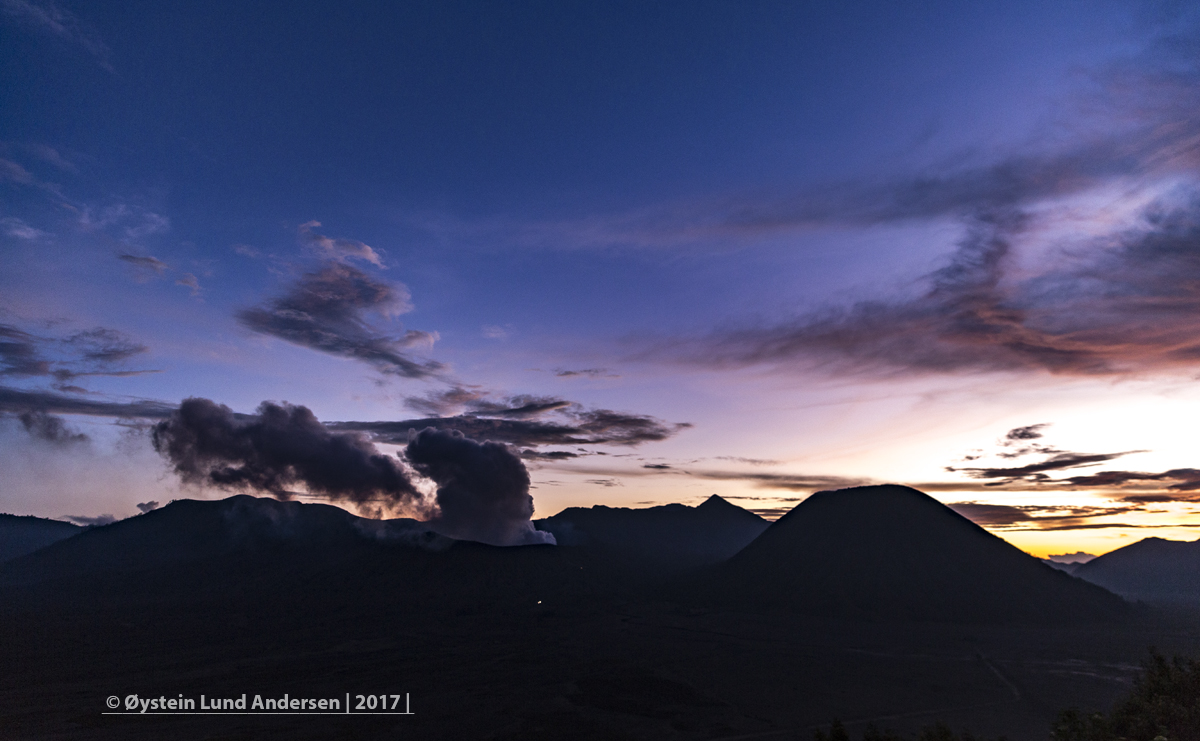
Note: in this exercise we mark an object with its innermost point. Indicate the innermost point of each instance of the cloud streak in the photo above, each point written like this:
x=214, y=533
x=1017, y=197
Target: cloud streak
x=575, y=426
x=337, y=249
x=327, y=310
x=95, y=352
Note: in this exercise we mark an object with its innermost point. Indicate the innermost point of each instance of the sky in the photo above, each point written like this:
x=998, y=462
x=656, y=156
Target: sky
x=653, y=251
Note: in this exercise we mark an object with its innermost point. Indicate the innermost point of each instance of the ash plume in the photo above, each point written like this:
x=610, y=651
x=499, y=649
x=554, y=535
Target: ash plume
x=49, y=428
x=483, y=488
x=278, y=448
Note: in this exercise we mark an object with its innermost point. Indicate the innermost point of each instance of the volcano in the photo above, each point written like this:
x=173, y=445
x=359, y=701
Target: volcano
x=1152, y=569
x=895, y=553
x=671, y=537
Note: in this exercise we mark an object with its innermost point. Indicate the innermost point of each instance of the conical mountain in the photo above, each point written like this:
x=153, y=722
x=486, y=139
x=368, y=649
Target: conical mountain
x=1152, y=569
x=892, y=552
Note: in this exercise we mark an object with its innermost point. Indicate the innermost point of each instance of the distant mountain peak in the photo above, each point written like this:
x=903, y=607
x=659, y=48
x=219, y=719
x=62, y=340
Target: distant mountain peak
x=715, y=501
x=896, y=551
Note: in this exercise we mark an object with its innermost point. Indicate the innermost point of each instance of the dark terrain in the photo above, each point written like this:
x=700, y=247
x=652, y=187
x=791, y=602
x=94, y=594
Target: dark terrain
x=261, y=597
x=22, y=534
x=1150, y=569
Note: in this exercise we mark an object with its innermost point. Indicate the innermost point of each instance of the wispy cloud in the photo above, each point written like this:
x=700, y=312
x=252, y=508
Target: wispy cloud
x=46, y=16
x=189, y=281
x=328, y=311
x=1042, y=517
x=585, y=373
x=475, y=400
x=145, y=262
x=337, y=248
x=573, y=426
x=17, y=401
x=1031, y=471
x=95, y=352
x=15, y=227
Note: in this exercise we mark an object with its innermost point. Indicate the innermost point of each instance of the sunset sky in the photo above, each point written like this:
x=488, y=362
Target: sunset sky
x=665, y=250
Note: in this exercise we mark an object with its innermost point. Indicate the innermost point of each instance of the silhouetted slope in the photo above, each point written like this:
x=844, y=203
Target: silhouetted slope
x=23, y=534
x=673, y=536
x=190, y=530
x=893, y=552
x=1152, y=569
x=266, y=553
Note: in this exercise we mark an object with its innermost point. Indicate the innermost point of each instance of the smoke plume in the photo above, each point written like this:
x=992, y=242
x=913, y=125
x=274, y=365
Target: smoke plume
x=483, y=488
x=280, y=447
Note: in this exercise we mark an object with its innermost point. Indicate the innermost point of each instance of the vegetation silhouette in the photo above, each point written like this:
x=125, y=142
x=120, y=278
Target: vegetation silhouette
x=1164, y=704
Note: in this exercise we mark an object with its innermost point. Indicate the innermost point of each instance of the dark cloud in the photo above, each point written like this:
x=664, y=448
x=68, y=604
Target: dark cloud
x=482, y=488
x=750, y=461
x=1026, y=291
x=475, y=401
x=769, y=513
x=574, y=426
x=327, y=311
x=1035, y=516
x=145, y=263
x=280, y=447
x=93, y=352
x=586, y=372
x=19, y=400
x=1029, y=432
x=49, y=428
x=1187, y=479
x=1055, y=463
x=19, y=353
x=1129, y=304
x=105, y=345
x=657, y=466
x=604, y=482
x=530, y=454
x=145, y=507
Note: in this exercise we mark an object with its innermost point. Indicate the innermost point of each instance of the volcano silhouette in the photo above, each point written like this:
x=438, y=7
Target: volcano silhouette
x=671, y=537
x=1152, y=569
x=892, y=552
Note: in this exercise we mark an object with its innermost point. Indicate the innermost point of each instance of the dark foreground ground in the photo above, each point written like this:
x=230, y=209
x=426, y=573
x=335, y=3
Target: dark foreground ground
x=481, y=658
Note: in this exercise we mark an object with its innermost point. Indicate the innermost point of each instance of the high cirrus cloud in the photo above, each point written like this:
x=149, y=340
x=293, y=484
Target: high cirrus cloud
x=1126, y=303
x=1079, y=255
x=328, y=311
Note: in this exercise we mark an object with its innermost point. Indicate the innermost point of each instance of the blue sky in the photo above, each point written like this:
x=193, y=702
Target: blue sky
x=844, y=242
